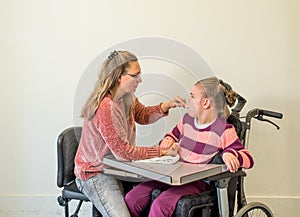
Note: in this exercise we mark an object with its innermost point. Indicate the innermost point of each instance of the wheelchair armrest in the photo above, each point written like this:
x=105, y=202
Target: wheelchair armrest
x=226, y=175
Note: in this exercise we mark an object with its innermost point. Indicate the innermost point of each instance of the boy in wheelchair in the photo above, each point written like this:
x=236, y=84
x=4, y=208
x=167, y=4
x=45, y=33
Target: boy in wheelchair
x=200, y=135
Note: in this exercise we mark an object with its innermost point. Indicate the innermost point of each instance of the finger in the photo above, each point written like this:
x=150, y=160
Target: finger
x=167, y=143
x=180, y=101
x=231, y=166
x=174, y=145
x=235, y=165
x=175, y=149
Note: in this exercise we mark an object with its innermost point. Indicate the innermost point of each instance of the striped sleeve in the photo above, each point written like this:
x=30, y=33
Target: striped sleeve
x=177, y=131
x=232, y=144
x=171, y=137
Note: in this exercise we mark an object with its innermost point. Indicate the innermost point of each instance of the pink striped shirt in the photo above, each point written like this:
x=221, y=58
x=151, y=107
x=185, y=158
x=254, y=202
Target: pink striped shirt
x=201, y=145
x=110, y=132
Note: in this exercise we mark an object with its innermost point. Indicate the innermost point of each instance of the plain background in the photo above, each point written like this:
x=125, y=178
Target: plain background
x=46, y=46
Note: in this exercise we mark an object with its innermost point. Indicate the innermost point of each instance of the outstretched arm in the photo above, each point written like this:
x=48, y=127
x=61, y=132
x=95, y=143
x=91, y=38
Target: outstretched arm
x=175, y=102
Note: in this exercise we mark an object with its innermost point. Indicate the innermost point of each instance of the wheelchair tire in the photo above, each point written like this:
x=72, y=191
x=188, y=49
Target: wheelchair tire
x=254, y=209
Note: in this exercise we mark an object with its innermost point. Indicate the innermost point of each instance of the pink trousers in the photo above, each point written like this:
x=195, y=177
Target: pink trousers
x=164, y=205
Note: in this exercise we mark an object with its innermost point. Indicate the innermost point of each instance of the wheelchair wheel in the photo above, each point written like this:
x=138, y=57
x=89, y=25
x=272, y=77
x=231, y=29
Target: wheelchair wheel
x=254, y=209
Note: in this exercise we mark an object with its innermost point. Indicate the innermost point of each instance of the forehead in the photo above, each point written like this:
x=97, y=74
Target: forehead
x=198, y=90
x=133, y=66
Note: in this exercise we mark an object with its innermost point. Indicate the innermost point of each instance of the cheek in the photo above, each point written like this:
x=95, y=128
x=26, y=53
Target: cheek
x=131, y=83
x=192, y=108
x=125, y=82
x=128, y=85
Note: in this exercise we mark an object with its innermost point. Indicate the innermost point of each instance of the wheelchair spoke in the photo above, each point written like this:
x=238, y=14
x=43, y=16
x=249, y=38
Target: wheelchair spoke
x=255, y=209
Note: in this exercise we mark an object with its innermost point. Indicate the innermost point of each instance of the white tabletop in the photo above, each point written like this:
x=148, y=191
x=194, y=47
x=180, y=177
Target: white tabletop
x=175, y=174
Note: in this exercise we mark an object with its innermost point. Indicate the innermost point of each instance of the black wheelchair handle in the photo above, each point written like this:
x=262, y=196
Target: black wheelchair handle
x=259, y=115
x=260, y=112
x=271, y=114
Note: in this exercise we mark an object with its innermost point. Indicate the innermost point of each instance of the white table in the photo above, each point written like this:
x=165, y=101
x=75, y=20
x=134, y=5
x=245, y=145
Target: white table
x=174, y=174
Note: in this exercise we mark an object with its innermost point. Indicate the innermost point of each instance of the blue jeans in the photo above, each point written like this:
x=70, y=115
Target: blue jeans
x=106, y=193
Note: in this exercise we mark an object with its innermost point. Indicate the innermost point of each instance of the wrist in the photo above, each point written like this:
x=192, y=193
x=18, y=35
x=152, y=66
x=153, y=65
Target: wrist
x=161, y=152
x=164, y=107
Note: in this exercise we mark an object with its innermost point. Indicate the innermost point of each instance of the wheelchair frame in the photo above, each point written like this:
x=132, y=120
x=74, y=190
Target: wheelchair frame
x=222, y=180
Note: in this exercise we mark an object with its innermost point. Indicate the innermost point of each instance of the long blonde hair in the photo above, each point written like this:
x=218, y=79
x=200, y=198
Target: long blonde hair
x=111, y=70
x=220, y=94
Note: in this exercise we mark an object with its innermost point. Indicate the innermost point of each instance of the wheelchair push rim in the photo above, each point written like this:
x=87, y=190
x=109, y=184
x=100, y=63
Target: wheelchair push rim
x=254, y=209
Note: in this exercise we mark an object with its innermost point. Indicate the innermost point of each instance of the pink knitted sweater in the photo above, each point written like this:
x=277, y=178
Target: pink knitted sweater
x=201, y=145
x=110, y=132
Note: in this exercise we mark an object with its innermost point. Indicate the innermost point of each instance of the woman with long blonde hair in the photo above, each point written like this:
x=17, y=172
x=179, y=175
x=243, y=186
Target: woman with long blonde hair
x=109, y=116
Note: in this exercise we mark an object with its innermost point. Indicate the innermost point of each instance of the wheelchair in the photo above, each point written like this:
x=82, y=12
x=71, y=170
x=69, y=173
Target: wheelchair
x=226, y=193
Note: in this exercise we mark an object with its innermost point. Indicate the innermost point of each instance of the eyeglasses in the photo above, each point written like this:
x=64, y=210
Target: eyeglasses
x=137, y=76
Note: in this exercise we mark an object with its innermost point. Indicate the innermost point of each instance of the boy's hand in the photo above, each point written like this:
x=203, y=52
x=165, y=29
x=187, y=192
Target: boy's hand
x=231, y=162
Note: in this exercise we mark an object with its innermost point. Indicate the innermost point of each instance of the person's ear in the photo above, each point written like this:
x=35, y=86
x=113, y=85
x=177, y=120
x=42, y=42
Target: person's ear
x=119, y=79
x=206, y=103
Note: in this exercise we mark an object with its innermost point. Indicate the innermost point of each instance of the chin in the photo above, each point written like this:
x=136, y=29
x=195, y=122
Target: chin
x=191, y=114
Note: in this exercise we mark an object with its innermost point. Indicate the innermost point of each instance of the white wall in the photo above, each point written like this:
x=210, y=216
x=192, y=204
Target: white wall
x=46, y=46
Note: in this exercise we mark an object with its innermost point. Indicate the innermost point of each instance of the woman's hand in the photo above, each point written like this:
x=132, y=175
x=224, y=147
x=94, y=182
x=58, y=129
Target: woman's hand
x=231, y=162
x=176, y=102
x=172, y=151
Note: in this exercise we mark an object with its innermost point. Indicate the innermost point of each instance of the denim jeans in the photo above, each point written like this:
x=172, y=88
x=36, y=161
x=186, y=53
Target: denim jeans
x=106, y=194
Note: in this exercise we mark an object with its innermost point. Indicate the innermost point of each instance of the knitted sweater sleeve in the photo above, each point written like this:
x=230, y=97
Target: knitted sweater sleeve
x=173, y=136
x=146, y=114
x=110, y=124
x=231, y=143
